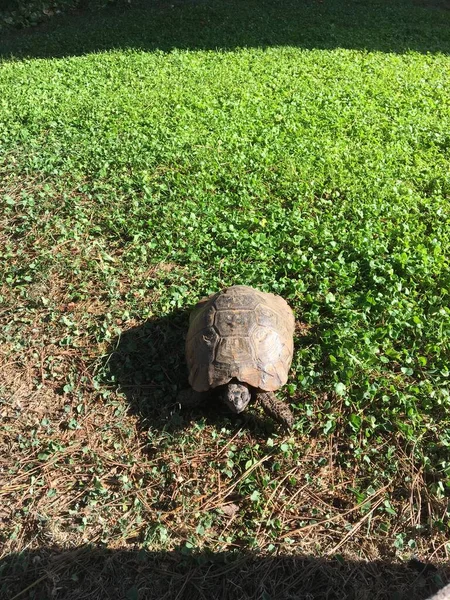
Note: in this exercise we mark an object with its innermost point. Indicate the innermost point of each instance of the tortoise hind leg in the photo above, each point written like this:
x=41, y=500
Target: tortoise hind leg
x=275, y=408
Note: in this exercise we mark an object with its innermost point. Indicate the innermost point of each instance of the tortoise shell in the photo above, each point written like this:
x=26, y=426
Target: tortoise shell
x=240, y=333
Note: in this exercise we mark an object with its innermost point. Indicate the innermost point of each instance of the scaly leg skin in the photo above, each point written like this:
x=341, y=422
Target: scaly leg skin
x=275, y=408
x=190, y=398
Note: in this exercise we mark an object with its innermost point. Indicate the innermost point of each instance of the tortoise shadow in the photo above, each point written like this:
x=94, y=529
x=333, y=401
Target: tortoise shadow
x=147, y=364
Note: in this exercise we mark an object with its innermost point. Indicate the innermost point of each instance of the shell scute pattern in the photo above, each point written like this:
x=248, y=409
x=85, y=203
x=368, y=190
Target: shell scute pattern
x=240, y=333
x=236, y=297
x=234, y=322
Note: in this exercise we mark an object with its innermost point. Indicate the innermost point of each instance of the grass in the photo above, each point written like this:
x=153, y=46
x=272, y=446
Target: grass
x=135, y=180
x=88, y=572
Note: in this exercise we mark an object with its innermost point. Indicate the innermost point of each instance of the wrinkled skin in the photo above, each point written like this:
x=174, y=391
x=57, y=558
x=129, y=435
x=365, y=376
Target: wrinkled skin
x=236, y=396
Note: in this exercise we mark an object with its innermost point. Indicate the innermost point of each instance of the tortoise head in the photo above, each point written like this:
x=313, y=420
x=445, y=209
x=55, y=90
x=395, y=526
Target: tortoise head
x=236, y=396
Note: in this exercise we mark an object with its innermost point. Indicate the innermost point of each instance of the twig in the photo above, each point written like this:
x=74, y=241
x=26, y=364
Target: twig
x=340, y=515
x=355, y=528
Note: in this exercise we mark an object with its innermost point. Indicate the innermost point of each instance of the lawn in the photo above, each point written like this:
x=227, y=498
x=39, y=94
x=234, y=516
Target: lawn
x=153, y=154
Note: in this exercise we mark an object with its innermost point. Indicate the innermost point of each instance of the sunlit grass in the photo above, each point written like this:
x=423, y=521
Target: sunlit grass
x=132, y=184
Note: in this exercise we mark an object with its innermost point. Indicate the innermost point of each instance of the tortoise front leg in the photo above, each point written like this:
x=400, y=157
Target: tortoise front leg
x=275, y=408
x=190, y=398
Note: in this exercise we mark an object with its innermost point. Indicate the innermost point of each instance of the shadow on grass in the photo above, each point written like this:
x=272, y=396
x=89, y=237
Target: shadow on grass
x=147, y=363
x=95, y=573
x=397, y=26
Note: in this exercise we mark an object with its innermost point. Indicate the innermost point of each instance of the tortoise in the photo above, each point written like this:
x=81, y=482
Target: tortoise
x=240, y=345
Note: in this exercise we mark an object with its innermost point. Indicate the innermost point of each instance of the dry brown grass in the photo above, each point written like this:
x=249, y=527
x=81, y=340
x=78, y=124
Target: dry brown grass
x=95, y=573
x=79, y=467
x=95, y=451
